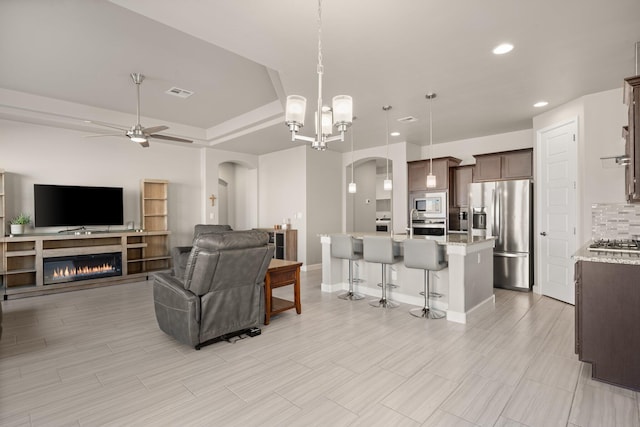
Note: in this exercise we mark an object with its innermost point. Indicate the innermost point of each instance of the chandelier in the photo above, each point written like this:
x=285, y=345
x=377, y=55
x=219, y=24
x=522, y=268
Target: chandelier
x=339, y=115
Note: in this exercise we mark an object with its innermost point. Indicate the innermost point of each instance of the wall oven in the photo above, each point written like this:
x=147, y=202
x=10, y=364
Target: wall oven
x=426, y=227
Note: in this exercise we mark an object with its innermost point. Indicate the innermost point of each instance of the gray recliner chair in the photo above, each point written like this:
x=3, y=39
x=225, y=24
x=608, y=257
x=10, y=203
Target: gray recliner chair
x=221, y=292
x=180, y=254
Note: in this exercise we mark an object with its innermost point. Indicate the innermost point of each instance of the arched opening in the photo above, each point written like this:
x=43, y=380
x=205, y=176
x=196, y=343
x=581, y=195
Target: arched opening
x=371, y=205
x=233, y=196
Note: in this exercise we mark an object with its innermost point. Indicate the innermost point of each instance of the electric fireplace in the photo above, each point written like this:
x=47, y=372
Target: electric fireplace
x=81, y=267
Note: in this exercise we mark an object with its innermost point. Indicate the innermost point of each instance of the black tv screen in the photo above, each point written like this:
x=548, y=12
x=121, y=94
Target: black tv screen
x=70, y=205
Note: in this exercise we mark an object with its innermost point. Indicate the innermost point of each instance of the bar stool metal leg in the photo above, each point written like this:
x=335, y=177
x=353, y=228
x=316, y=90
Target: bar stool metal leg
x=383, y=302
x=350, y=294
x=426, y=311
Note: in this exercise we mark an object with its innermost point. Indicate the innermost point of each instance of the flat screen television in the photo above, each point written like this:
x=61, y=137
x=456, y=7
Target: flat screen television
x=71, y=205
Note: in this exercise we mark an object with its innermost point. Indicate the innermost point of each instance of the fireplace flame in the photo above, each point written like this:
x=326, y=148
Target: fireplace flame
x=60, y=273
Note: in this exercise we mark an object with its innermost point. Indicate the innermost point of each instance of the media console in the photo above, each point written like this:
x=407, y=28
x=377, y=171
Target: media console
x=35, y=264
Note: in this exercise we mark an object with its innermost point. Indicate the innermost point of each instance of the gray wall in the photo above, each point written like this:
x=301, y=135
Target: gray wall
x=324, y=199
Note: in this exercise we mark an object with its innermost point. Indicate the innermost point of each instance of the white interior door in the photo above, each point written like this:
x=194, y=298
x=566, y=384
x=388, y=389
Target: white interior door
x=556, y=209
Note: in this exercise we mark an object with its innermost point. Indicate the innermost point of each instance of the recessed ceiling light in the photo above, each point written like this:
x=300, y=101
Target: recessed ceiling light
x=541, y=104
x=503, y=48
x=395, y=134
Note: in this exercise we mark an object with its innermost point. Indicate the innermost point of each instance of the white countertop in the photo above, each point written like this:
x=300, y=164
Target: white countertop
x=447, y=240
x=583, y=254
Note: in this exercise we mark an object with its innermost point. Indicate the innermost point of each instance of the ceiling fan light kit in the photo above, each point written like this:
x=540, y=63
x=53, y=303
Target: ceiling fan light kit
x=137, y=133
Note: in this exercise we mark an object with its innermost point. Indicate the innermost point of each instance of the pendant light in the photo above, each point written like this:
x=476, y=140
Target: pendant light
x=431, y=178
x=387, y=184
x=352, y=184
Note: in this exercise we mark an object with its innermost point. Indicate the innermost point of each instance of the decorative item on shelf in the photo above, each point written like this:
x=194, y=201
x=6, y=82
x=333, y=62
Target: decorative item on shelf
x=352, y=184
x=341, y=114
x=431, y=178
x=18, y=223
x=387, y=184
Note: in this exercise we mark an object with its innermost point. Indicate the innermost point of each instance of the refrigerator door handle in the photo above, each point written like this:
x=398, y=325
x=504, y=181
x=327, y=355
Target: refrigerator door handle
x=496, y=213
x=511, y=254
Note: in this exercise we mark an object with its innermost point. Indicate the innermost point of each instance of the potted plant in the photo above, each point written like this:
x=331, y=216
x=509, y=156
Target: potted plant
x=18, y=223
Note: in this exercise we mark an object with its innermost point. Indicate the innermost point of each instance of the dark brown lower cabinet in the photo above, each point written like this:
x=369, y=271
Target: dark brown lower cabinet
x=608, y=321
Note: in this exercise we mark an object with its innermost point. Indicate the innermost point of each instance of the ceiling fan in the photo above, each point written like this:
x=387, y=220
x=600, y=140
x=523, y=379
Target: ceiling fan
x=137, y=133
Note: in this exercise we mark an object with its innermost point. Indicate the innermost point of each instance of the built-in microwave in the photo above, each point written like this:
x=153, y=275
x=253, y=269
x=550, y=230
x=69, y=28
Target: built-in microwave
x=431, y=205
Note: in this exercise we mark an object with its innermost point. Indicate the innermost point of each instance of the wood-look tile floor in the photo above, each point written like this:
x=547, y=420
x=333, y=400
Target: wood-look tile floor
x=96, y=357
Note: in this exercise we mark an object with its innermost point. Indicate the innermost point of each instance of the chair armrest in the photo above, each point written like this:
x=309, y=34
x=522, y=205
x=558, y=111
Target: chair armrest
x=177, y=309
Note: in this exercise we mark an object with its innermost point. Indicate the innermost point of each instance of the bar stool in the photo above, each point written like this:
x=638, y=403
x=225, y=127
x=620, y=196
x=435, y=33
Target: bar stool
x=346, y=247
x=380, y=249
x=427, y=255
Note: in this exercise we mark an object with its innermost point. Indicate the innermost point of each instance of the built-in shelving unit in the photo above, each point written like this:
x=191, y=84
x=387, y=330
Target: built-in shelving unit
x=142, y=253
x=154, y=204
x=3, y=223
x=4, y=229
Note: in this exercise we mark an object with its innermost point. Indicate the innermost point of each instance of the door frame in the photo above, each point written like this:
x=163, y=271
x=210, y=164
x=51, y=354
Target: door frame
x=538, y=288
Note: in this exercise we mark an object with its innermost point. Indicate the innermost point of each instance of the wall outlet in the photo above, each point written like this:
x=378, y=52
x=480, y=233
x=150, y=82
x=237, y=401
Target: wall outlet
x=394, y=275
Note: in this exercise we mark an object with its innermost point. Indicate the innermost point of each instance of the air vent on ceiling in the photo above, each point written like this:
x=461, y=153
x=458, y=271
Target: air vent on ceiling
x=408, y=119
x=180, y=93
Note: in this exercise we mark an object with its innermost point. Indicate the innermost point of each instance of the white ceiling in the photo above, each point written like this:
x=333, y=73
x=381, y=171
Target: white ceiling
x=241, y=58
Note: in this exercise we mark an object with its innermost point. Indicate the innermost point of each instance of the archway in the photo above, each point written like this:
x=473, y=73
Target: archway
x=370, y=201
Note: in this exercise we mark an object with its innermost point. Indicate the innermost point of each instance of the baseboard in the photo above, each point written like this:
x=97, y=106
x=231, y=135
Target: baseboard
x=311, y=267
x=473, y=313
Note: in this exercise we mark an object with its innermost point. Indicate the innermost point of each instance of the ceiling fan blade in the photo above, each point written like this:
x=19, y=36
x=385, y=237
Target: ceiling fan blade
x=106, y=125
x=144, y=144
x=155, y=129
x=170, y=138
x=102, y=134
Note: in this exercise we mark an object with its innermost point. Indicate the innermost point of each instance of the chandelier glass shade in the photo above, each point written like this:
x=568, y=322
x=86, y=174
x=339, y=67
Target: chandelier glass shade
x=339, y=115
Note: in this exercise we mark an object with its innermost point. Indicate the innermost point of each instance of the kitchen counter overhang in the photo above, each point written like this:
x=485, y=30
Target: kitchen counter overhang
x=584, y=254
x=467, y=282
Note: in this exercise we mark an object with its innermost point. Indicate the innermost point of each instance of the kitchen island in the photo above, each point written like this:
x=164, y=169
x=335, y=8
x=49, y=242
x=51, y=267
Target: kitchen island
x=466, y=285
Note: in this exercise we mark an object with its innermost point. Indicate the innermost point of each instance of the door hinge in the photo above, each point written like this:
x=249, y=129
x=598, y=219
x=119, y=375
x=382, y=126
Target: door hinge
x=574, y=137
x=574, y=231
x=574, y=185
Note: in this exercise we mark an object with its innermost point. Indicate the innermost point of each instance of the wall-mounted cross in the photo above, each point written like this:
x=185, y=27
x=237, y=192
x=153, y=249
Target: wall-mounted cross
x=213, y=200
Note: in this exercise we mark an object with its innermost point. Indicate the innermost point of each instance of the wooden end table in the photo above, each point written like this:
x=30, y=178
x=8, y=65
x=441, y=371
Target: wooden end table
x=281, y=273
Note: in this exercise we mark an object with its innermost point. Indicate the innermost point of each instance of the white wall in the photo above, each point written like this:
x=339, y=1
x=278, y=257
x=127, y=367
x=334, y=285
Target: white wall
x=600, y=120
x=34, y=154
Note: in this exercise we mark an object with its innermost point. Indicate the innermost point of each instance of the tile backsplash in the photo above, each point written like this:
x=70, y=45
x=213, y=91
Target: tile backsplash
x=615, y=221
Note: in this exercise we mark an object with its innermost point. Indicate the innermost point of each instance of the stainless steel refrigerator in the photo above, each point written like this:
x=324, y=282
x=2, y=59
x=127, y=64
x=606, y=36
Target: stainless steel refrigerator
x=504, y=209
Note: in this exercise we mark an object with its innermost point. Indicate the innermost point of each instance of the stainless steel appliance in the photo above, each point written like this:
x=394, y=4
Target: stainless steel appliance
x=504, y=209
x=430, y=205
x=428, y=215
x=382, y=224
x=623, y=246
x=463, y=219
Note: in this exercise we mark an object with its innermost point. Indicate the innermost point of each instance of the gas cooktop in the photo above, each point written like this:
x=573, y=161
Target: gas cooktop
x=620, y=246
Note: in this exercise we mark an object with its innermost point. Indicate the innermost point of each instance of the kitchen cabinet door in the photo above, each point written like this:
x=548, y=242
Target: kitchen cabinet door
x=463, y=176
x=632, y=135
x=607, y=319
x=488, y=168
x=417, y=172
x=517, y=165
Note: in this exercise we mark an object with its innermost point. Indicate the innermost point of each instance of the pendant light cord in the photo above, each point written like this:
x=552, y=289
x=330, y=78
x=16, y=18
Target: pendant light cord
x=430, y=138
x=387, y=110
x=352, y=165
